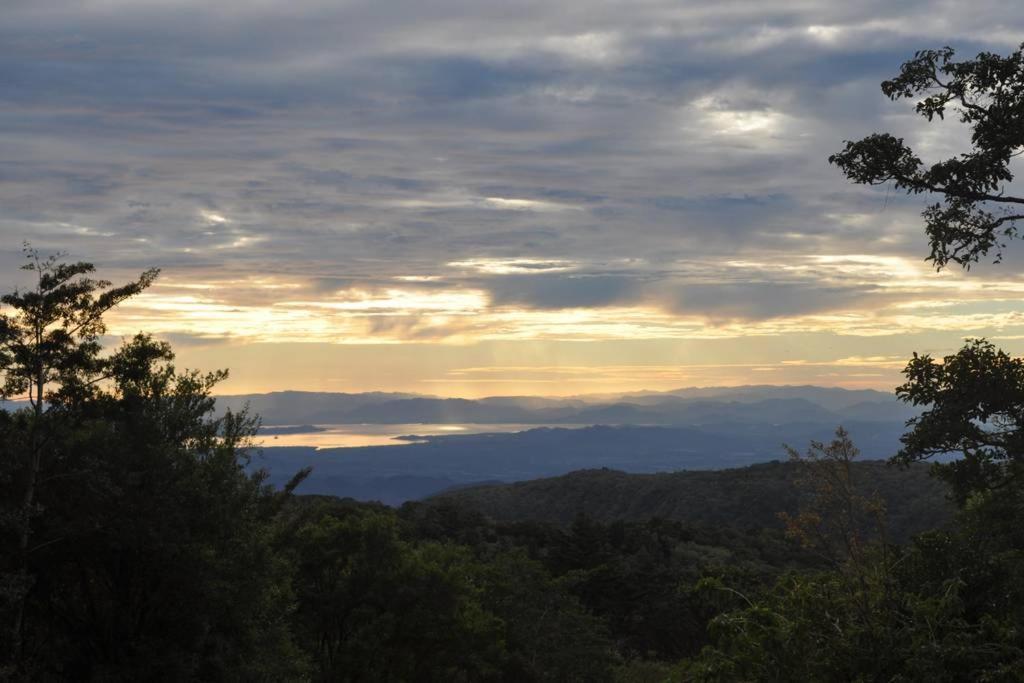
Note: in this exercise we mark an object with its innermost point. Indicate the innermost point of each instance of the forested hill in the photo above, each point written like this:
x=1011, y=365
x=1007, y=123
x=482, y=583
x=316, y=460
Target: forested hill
x=744, y=497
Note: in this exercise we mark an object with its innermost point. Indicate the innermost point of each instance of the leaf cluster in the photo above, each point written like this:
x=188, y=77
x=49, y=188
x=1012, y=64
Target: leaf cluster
x=975, y=410
x=976, y=214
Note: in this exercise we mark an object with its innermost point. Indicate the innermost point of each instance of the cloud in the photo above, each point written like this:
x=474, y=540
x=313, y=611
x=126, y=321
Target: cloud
x=563, y=291
x=513, y=266
x=602, y=158
x=764, y=300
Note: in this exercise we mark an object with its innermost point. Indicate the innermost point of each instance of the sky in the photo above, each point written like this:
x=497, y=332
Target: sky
x=473, y=198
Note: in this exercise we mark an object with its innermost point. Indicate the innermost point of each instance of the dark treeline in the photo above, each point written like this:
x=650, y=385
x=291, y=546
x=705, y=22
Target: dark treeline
x=741, y=498
x=438, y=591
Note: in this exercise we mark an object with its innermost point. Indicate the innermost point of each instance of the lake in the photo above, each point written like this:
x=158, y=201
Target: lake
x=352, y=436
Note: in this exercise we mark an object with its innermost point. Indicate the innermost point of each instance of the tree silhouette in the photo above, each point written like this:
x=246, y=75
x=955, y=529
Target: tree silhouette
x=976, y=213
x=135, y=541
x=50, y=355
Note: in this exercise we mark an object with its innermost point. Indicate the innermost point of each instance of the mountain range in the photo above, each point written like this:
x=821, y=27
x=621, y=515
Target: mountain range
x=641, y=433
x=683, y=407
x=395, y=474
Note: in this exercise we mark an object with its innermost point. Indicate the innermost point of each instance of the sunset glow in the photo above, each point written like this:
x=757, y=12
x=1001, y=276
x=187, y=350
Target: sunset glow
x=624, y=200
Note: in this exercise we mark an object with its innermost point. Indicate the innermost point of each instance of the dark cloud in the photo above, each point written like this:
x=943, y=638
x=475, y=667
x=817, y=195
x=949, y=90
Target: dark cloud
x=180, y=339
x=718, y=297
x=353, y=143
x=765, y=300
x=557, y=290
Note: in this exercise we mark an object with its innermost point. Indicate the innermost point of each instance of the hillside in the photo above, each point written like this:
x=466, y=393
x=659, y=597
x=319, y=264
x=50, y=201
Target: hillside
x=747, y=497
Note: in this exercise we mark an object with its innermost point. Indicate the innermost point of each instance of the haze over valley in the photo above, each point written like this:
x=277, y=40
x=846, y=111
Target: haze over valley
x=397, y=447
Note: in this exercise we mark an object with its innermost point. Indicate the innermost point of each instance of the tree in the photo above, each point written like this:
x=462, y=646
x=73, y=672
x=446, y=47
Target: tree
x=975, y=213
x=138, y=542
x=373, y=606
x=161, y=556
x=945, y=608
x=975, y=401
x=811, y=627
x=835, y=520
x=549, y=635
x=49, y=355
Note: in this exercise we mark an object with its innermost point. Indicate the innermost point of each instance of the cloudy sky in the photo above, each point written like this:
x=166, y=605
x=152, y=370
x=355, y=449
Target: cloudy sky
x=467, y=198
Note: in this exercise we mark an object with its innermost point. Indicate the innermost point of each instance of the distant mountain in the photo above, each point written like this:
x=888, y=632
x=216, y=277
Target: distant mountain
x=393, y=490
x=688, y=429
x=681, y=407
x=304, y=407
x=701, y=411
x=830, y=398
x=533, y=402
x=290, y=429
x=690, y=407
x=881, y=410
x=446, y=410
x=749, y=497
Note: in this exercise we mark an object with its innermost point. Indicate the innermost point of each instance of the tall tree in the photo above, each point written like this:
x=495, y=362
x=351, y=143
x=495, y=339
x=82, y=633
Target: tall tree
x=138, y=544
x=975, y=407
x=49, y=355
x=972, y=401
x=952, y=607
x=836, y=521
x=374, y=607
x=976, y=212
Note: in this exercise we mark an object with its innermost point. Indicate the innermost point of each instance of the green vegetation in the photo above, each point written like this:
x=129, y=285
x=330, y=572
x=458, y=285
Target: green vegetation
x=134, y=545
x=946, y=607
x=137, y=547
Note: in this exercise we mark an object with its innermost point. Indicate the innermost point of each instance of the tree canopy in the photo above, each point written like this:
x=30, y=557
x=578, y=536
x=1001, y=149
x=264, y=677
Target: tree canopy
x=975, y=213
x=974, y=403
x=972, y=399
x=134, y=539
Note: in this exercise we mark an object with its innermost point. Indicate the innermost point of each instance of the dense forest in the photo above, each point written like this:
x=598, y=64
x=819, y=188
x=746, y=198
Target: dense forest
x=742, y=498
x=140, y=540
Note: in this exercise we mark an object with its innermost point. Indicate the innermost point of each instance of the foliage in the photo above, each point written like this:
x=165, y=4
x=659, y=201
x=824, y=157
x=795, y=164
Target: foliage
x=371, y=606
x=549, y=633
x=741, y=498
x=946, y=608
x=820, y=627
x=637, y=578
x=134, y=543
x=837, y=520
x=976, y=213
x=950, y=608
x=975, y=407
x=49, y=355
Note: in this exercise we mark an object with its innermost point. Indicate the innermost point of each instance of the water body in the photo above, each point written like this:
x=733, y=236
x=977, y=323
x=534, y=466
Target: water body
x=353, y=436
